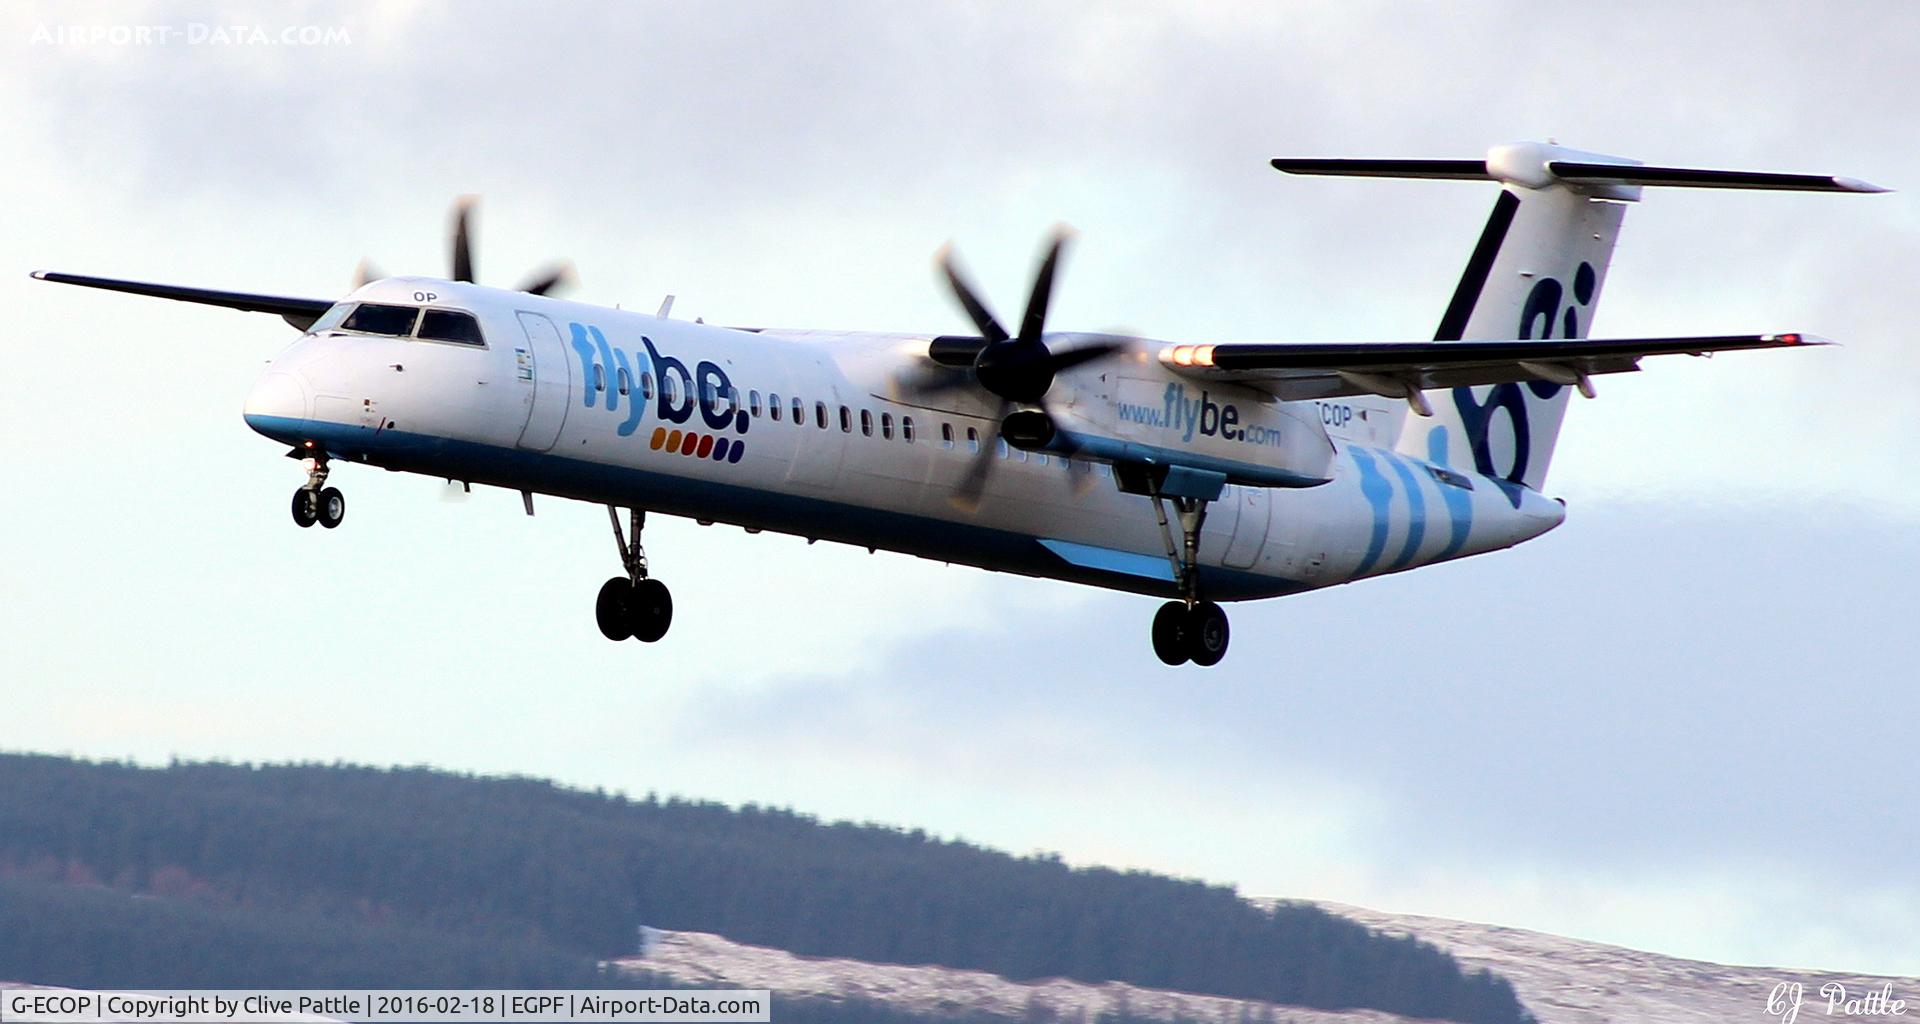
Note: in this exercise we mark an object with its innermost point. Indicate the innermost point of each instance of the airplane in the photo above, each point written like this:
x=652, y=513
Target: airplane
x=1198, y=473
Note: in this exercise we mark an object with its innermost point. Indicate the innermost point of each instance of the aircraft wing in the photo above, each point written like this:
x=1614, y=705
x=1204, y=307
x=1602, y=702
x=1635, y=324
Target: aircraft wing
x=300, y=313
x=1308, y=370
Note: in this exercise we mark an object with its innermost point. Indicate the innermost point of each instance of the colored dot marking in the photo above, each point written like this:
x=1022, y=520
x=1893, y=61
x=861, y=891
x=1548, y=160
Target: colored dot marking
x=739, y=449
x=740, y=422
x=689, y=443
x=673, y=441
x=706, y=446
x=659, y=438
x=720, y=447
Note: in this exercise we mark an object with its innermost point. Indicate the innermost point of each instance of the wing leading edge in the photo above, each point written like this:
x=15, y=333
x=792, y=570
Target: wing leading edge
x=301, y=313
x=1310, y=370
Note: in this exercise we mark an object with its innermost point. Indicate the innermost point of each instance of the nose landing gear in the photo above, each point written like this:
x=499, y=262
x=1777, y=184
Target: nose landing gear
x=316, y=502
x=635, y=605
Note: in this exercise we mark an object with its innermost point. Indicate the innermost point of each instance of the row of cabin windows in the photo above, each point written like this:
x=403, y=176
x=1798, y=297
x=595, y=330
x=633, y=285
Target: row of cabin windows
x=794, y=410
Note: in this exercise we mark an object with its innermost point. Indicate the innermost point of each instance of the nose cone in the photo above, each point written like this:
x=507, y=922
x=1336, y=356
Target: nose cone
x=278, y=406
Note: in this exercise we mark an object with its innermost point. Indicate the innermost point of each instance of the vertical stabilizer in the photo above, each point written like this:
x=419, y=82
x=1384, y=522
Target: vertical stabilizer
x=1536, y=272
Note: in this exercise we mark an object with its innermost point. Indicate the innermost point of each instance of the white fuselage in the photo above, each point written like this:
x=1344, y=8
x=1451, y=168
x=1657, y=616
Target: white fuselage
x=630, y=409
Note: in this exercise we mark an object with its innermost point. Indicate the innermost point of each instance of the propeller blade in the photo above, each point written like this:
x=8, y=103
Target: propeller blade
x=1084, y=354
x=365, y=271
x=967, y=494
x=976, y=310
x=558, y=275
x=933, y=379
x=463, y=239
x=1035, y=321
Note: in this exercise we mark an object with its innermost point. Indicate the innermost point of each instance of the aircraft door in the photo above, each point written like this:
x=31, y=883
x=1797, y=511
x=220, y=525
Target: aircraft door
x=546, y=381
x=1254, y=508
x=817, y=453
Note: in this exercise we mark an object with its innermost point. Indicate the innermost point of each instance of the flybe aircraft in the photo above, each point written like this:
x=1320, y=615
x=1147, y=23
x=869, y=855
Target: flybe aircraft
x=1192, y=472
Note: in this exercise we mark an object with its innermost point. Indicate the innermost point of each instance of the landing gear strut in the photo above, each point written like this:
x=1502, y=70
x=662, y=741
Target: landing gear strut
x=316, y=502
x=635, y=605
x=1188, y=629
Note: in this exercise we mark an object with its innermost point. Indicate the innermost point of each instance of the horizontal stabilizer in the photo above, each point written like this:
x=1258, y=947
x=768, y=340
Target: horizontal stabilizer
x=300, y=313
x=1694, y=177
x=1472, y=170
x=1539, y=165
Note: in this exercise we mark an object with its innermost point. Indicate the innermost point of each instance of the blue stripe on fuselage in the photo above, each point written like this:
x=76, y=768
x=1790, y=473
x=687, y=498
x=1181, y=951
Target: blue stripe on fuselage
x=825, y=519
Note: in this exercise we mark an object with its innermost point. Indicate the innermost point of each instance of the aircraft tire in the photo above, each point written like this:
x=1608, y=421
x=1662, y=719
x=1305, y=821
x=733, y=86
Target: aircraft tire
x=1170, y=633
x=1207, y=634
x=650, y=610
x=610, y=609
x=305, y=509
x=331, y=507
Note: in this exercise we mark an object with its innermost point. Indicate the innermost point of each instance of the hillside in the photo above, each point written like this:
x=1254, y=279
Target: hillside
x=1560, y=980
x=1570, y=981
x=545, y=879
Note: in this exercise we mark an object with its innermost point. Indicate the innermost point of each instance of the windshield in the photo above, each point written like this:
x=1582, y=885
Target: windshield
x=331, y=318
x=371, y=318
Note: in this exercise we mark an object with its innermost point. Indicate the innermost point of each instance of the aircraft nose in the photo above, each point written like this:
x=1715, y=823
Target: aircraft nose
x=277, y=403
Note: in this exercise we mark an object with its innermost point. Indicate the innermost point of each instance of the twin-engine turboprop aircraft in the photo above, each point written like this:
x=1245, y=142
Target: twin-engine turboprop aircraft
x=1198, y=473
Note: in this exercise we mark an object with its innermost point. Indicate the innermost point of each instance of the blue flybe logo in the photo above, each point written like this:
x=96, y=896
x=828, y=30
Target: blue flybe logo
x=679, y=393
x=1545, y=311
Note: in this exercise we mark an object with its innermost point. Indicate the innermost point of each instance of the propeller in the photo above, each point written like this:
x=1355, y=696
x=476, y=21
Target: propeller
x=1017, y=369
x=545, y=280
x=1020, y=368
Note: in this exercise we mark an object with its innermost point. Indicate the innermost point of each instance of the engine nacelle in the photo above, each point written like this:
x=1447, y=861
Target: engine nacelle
x=1236, y=434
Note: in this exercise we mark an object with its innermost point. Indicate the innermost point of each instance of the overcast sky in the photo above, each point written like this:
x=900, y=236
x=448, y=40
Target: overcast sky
x=1684, y=721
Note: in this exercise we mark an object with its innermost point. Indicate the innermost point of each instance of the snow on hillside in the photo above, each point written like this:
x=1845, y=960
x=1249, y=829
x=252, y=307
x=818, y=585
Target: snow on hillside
x=1562, y=981
x=1568, y=981
x=697, y=958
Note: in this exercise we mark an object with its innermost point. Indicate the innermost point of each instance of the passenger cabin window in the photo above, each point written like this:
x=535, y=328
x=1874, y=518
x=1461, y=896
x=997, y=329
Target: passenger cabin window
x=799, y=413
x=669, y=387
x=906, y=429
x=886, y=426
x=946, y=436
x=773, y=407
x=973, y=440
x=646, y=385
x=753, y=403
x=820, y=414
x=866, y=423
x=846, y=420
x=454, y=326
x=599, y=377
x=372, y=318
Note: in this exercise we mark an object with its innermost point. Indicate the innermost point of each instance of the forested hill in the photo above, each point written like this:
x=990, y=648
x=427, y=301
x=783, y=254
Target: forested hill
x=548, y=869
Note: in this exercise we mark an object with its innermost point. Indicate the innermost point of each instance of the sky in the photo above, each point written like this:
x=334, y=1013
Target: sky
x=1684, y=721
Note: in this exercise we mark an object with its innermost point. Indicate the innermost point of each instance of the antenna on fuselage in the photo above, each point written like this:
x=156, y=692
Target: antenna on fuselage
x=666, y=308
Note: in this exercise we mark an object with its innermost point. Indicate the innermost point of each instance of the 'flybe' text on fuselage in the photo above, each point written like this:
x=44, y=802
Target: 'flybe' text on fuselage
x=611, y=375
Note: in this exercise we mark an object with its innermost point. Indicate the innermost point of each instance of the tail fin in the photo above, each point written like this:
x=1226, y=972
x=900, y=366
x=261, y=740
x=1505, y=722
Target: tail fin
x=1536, y=272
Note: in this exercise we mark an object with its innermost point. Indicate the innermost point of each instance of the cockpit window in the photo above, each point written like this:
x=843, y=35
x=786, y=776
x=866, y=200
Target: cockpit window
x=371, y=318
x=331, y=318
x=451, y=325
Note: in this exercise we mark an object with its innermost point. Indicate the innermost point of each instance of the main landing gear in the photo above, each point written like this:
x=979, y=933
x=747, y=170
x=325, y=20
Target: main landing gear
x=635, y=605
x=1188, y=629
x=316, y=502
